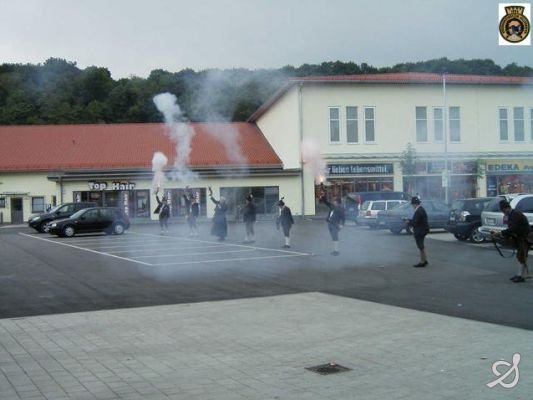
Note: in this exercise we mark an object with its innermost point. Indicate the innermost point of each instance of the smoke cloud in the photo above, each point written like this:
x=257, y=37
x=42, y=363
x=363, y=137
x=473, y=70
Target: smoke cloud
x=313, y=159
x=159, y=162
x=180, y=132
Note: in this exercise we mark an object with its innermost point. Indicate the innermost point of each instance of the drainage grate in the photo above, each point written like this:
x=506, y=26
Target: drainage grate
x=327, y=369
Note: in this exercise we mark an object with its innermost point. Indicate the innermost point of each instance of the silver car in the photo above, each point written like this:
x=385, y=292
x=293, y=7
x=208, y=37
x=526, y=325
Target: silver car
x=492, y=219
x=368, y=214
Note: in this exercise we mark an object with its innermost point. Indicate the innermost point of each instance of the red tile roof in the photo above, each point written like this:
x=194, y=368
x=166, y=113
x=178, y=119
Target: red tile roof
x=420, y=77
x=398, y=77
x=125, y=146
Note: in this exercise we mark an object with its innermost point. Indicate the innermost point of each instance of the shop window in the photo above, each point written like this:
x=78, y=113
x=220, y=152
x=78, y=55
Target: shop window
x=421, y=124
x=352, y=133
x=455, y=124
x=370, y=134
x=518, y=123
x=265, y=199
x=334, y=125
x=2, y=202
x=504, y=124
x=438, y=125
x=37, y=204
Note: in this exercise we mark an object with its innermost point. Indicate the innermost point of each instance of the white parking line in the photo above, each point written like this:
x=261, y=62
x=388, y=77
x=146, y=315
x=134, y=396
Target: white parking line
x=228, y=259
x=166, y=247
x=194, y=254
x=84, y=249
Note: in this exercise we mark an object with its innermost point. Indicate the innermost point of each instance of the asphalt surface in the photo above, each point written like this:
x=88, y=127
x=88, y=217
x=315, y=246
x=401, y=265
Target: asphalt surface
x=41, y=274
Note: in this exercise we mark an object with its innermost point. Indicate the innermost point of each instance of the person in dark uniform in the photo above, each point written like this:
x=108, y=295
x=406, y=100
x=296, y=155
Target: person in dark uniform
x=286, y=222
x=220, y=224
x=420, y=225
x=517, y=231
x=193, y=210
x=249, y=214
x=335, y=220
x=163, y=209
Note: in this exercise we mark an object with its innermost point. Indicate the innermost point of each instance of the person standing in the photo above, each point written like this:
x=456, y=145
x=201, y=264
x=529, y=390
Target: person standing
x=420, y=225
x=286, y=222
x=220, y=224
x=517, y=231
x=193, y=210
x=335, y=220
x=163, y=209
x=249, y=214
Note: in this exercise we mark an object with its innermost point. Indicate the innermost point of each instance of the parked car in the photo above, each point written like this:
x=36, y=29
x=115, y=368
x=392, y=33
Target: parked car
x=465, y=218
x=354, y=201
x=438, y=214
x=368, y=213
x=492, y=219
x=90, y=220
x=40, y=221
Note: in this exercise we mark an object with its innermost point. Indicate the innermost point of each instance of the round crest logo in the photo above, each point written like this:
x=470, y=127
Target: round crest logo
x=514, y=26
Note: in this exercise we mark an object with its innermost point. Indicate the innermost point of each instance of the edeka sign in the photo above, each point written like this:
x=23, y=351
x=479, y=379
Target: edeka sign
x=510, y=167
x=113, y=186
x=360, y=169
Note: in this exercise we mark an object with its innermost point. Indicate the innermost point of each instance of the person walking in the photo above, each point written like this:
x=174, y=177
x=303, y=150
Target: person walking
x=517, y=231
x=335, y=220
x=193, y=210
x=220, y=224
x=420, y=225
x=249, y=215
x=163, y=209
x=286, y=222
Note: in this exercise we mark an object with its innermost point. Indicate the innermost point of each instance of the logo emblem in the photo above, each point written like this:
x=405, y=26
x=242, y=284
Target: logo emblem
x=512, y=368
x=514, y=25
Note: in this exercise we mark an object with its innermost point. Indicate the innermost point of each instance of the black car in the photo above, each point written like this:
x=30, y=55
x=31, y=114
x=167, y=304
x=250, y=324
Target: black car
x=465, y=218
x=394, y=220
x=90, y=220
x=40, y=221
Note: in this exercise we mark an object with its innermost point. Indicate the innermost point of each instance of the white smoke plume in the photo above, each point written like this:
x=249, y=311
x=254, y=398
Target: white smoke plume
x=159, y=162
x=180, y=132
x=226, y=134
x=313, y=159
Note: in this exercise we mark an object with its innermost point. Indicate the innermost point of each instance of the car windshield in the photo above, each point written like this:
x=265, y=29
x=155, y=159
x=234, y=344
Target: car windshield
x=54, y=209
x=458, y=205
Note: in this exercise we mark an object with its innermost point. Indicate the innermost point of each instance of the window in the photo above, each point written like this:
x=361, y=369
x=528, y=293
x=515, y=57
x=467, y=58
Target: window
x=352, y=134
x=455, y=124
x=37, y=204
x=438, y=124
x=334, y=125
x=531, y=123
x=518, y=119
x=369, y=124
x=504, y=124
x=2, y=202
x=421, y=124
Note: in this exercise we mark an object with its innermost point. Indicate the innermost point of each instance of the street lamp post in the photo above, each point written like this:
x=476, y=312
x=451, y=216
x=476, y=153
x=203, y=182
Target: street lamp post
x=446, y=174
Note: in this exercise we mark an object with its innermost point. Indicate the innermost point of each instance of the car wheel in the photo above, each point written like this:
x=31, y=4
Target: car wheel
x=396, y=229
x=460, y=237
x=69, y=231
x=118, y=229
x=42, y=227
x=476, y=236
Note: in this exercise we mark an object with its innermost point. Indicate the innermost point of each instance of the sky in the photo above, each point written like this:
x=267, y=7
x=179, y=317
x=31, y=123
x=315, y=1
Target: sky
x=134, y=37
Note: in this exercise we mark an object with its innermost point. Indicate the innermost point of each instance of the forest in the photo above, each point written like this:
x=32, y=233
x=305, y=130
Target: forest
x=58, y=92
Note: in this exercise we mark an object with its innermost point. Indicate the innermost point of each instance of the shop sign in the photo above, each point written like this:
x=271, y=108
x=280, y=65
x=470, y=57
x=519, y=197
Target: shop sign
x=113, y=186
x=509, y=167
x=359, y=169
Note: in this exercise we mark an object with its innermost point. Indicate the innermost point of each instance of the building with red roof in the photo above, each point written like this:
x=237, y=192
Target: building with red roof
x=440, y=135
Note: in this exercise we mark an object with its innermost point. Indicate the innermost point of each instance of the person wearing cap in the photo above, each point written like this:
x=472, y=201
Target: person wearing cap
x=420, y=225
x=220, y=224
x=517, y=231
x=163, y=209
x=249, y=214
x=286, y=222
x=335, y=220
